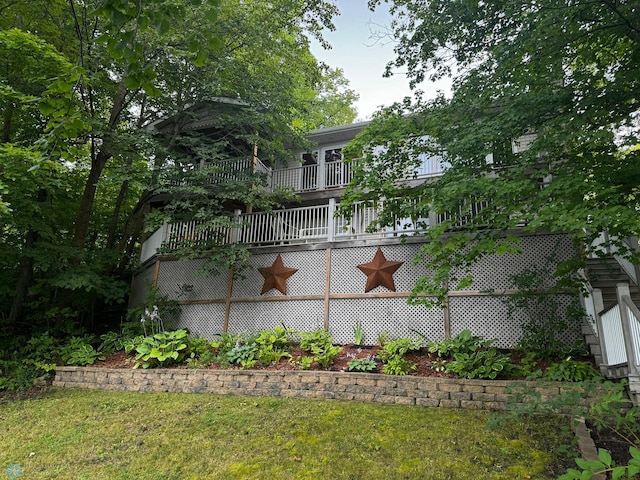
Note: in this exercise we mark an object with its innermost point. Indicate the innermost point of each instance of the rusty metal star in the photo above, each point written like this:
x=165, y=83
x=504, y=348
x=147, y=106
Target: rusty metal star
x=276, y=276
x=379, y=272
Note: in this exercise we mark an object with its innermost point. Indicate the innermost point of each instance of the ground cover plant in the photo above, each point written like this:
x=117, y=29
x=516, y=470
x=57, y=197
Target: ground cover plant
x=126, y=435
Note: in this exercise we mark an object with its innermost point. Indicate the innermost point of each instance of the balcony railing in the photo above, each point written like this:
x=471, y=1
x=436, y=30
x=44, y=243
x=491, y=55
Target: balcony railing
x=313, y=224
x=234, y=169
x=300, y=179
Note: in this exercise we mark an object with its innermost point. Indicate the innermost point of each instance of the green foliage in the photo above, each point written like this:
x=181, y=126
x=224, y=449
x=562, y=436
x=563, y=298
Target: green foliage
x=366, y=364
x=278, y=337
x=605, y=464
x=576, y=97
x=162, y=349
x=244, y=354
x=464, y=342
x=358, y=333
x=304, y=362
x=315, y=338
x=484, y=364
x=325, y=354
x=77, y=347
x=392, y=356
x=569, y=370
x=112, y=342
x=84, y=355
x=398, y=365
x=546, y=319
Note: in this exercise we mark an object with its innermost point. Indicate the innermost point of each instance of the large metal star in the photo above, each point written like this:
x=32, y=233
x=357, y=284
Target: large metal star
x=380, y=272
x=276, y=276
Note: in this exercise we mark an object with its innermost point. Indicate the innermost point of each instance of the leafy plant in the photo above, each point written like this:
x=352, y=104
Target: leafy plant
x=545, y=317
x=75, y=344
x=315, y=338
x=325, y=354
x=439, y=365
x=382, y=338
x=278, y=337
x=358, y=333
x=164, y=348
x=304, y=362
x=398, y=365
x=486, y=364
x=112, y=342
x=84, y=355
x=569, y=370
x=367, y=364
x=392, y=356
x=611, y=411
x=243, y=354
x=464, y=342
x=272, y=345
x=269, y=355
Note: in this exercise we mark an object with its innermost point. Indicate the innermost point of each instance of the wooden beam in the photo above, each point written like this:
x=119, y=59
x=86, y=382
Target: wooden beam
x=327, y=290
x=227, y=303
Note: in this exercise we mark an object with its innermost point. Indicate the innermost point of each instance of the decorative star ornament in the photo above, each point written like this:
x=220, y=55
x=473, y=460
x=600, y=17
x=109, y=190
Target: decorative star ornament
x=276, y=276
x=380, y=272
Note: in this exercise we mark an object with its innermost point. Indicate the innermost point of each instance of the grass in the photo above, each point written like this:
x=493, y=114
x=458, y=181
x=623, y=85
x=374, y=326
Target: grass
x=88, y=434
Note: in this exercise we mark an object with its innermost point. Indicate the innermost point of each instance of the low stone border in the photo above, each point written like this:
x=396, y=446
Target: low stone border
x=364, y=387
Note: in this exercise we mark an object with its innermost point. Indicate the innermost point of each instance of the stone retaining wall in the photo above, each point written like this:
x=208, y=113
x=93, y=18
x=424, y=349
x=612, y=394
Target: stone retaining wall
x=364, y=387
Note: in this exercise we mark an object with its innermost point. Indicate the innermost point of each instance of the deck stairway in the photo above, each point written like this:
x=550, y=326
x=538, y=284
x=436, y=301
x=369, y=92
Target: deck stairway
x=604, y=274
x=614, y=333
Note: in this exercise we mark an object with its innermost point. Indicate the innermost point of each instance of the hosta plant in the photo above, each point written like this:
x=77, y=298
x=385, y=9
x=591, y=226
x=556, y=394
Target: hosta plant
x=162, y=349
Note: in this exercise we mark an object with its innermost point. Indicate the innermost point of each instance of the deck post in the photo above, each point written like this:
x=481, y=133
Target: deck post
x=598, y=306
x=622, y=290
x=331, y=234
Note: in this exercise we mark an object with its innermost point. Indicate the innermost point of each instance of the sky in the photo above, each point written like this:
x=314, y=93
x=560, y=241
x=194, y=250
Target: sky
x=363, y=59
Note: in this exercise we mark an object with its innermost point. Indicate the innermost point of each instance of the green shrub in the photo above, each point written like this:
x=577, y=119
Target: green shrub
x=243, y=354
x=84, y=355
x=272, y=345
x=398, y=365
x=464, y=342
x=162, y=349
x=392, y=356
x=112, y=342
x=325, y=355
x=367, y=364
x=484, y=364
x=315, y=338
x=569, y=370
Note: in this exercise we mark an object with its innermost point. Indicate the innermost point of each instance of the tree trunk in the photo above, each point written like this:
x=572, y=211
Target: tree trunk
x=24, y=278
x=97, y=166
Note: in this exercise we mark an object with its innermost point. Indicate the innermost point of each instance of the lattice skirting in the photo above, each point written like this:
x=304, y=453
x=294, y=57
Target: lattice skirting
x=328, y=291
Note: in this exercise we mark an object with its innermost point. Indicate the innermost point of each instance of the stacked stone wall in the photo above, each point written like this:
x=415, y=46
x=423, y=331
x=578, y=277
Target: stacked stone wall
x=363, y=387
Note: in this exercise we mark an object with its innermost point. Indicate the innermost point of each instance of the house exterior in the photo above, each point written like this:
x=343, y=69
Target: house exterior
x=311, y=269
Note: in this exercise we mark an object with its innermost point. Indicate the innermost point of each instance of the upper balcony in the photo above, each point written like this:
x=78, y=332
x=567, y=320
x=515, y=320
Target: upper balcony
x=300, y=178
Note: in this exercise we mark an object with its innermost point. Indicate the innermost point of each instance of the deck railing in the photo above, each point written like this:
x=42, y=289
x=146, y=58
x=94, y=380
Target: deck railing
x=299, y=178
x=612, y=336
x=313, y=224
x=233, y=169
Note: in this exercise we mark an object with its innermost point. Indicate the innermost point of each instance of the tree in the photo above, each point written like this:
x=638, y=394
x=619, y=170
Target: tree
x=563, y=72
x=79, y=142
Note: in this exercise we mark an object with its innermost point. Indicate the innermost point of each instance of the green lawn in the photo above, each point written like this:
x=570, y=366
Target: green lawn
x=86, y=434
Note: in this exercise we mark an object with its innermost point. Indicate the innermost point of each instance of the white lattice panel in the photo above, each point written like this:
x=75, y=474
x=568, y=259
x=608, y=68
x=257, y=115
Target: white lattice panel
x=140, y=287
x=182, y=280
x=494, y=271
x=391, y=315
x=202, y=320
x=347, y=278
x=308, y=280
x=488, y=317
x=300, y=315
x=485, y=316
